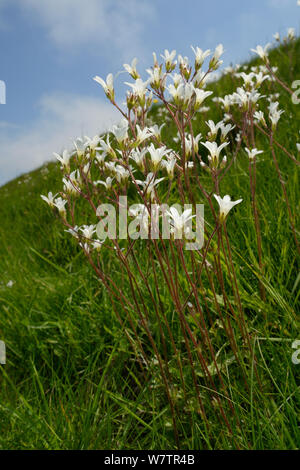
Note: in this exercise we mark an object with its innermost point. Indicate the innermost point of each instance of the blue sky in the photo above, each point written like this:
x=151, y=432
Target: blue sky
x=51, y=49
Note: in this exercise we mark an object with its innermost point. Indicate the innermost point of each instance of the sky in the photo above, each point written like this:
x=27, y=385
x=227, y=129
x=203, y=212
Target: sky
x=51, y=49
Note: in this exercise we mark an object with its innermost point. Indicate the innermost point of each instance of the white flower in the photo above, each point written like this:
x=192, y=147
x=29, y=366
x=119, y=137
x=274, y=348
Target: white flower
x=72, y=182
x=169, y=166
x=184, y=66
x=226, y=117
x=253, y=152
x=276, y=36
x=194, y=142
x=108, y=86
x=189, y=165
x=218, y=52
x=139, y=88
x=169, y=58
x=50, y=199
x=223, y=162
x=88, y=231
x=200, y=56
x=131, y=69
x=142, y=134
x=183, y=61
x=69, y=187
x=97, y=244
x=214, y=151
x=86, y=169
x=150, y=99
x=111, y=166
x=60, y=205
x=157, y=154
x=73, y=231
x=225, y=129
x=274, y=114
x=106, y=147
x=259, y=115
x=136, y=209
x=183, y=94
x=107, y=183
x=254, y=96
x=260, y=78
x=149, y=184
x=80, y=147
x=226, y=102
x=247, y=78
x=226, y=205
x=173, y=90
x=188, y=145
x=177, y=93
x=178, y=221
x=228, y=70
x=298, y=145
x=141, y=215
x=101, y=158
x=262, y=51
x=85, y=246
x=215, y=62
x=191, y=143
x=122, y=174
x=200, y=79
x=156, y=77
x=64, y=159
x=92, y=143
x=273, y=106
x=177, y=79
x=243, y=98
x=75, y=177
x=291, y=33
x=10, y=284
x=155, y=63
x=138, y=156
x=120, y=131
x=156, y=131
x=214, y=128
x=201, y=95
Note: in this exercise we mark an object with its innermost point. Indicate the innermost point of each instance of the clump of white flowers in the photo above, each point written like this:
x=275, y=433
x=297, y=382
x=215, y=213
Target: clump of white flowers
x=135, y=158
x=167, y=149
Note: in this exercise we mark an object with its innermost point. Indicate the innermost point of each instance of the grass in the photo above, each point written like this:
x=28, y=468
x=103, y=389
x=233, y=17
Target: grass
x=71, y=380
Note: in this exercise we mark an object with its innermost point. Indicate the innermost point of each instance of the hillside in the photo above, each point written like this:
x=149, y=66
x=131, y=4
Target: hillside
x=70, y=381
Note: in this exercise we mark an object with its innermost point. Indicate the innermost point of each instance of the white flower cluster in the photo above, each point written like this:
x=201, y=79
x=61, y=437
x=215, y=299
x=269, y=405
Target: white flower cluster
x=290, y=36
x=133, y=158
x=247, y=96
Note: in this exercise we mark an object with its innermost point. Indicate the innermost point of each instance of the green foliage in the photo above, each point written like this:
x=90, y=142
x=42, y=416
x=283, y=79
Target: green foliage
x=71, y=380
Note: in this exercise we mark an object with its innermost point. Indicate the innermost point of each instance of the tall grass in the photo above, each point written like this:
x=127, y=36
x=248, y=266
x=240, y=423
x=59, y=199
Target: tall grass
x=201, y=360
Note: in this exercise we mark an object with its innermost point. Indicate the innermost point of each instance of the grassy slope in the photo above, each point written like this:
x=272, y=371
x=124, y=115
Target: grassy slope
x=69, y=381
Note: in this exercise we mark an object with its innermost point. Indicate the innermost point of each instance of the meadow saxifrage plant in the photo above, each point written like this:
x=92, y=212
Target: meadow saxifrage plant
x=181, y=310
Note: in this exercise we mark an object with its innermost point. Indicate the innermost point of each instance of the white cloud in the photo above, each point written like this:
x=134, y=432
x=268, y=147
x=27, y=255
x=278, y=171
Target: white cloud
x=7, y=125
x=63, y=117
x=103, y=24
